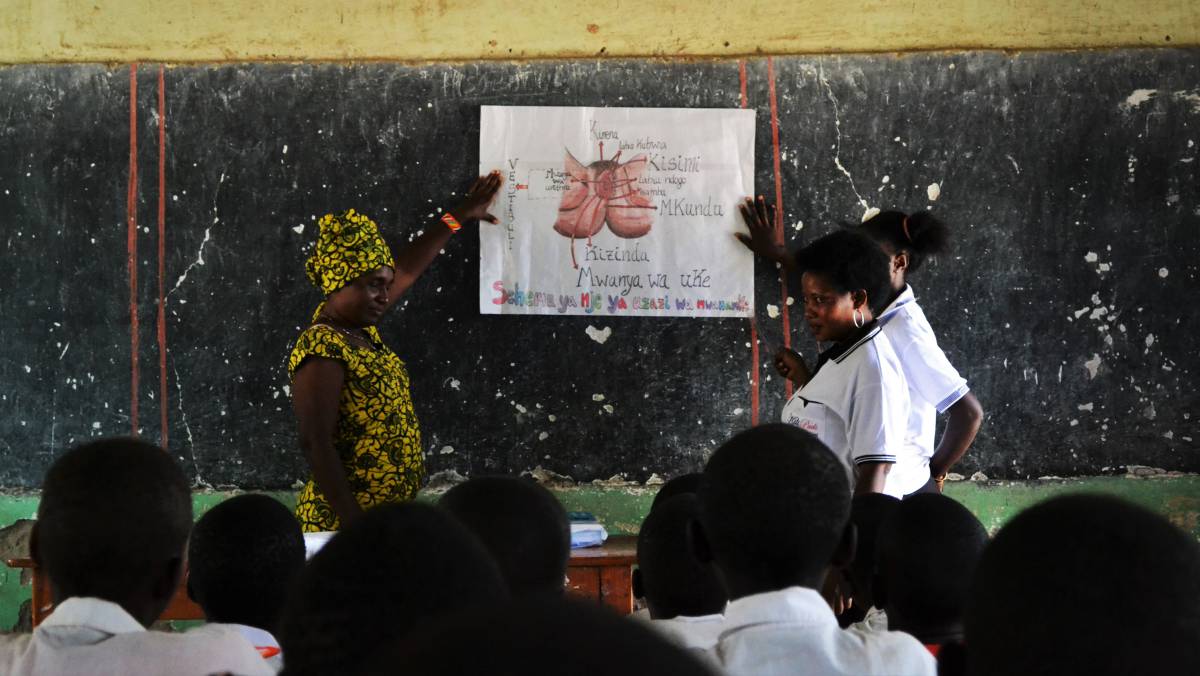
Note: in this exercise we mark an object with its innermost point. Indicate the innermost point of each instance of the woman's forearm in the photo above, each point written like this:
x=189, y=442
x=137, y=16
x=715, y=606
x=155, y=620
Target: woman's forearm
x=414, y=259
x=871, y=476
x=962, y=424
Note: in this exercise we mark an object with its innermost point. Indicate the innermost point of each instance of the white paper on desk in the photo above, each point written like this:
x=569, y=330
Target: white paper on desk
x=587, y=535
x=617, y=211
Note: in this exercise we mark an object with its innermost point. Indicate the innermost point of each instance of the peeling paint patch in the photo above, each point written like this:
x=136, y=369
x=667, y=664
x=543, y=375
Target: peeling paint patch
x=1093, y=366
x=1138, y=97
x=934, y=191
x=598, y=335
x=773, y=311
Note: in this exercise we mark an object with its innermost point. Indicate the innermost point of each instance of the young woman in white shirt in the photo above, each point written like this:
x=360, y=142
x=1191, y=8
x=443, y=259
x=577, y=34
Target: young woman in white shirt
x=934, y=385
x=855, y=398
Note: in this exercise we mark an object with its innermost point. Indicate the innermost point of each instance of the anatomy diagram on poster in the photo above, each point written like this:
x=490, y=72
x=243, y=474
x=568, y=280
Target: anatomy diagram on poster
x=617, y=211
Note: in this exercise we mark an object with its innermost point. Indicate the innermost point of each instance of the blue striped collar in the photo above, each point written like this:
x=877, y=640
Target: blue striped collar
x=906, y=296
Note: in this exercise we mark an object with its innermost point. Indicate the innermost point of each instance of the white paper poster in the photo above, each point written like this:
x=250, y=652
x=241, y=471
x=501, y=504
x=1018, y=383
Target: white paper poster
x=617, y=211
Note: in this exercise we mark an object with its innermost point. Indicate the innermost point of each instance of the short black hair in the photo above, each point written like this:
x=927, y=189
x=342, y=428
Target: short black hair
x=868, y=511
x=242, y=557
x=774, y=505
x=112, y=513
x=395, y=568
x=1086, y=584
x=682, y=484
x=673, y=580
x=919, y=235
x=537, y=636
x=927, y=553
x=849, y=261
x=523, y=526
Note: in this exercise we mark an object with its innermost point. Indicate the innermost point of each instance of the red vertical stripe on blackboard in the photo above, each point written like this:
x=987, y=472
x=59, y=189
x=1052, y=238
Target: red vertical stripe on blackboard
x=131, y=231
x=162, y=252
x=754, y=375
x=783, y=282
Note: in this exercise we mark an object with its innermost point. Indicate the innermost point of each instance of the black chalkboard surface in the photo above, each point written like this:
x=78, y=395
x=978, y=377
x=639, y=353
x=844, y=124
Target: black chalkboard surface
x=1070, y=179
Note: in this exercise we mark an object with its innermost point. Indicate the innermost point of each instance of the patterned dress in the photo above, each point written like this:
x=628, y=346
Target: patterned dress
x=378, y=438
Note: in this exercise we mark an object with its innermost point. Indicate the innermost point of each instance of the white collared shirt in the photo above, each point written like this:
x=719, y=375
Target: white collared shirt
x=96, y=637
x=875, y=620
x=262, y=640
x=699, y=632
x=857, y=405
x=933, y=383
x=793, y=631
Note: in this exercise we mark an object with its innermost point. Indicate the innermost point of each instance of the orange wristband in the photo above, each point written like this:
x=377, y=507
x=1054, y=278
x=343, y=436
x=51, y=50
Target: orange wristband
x=451, y=222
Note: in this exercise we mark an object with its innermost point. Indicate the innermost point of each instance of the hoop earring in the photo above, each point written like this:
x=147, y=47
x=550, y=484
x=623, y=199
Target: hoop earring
x=860, y=319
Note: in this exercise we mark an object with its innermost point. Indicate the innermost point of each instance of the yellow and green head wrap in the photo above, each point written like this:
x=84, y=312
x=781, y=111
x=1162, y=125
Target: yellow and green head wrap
x=349, y=245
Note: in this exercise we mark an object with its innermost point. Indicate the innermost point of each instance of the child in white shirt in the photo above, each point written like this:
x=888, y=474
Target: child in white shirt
x=242, y=558
x=684, y=596
x=774, y=518
x=112, y=526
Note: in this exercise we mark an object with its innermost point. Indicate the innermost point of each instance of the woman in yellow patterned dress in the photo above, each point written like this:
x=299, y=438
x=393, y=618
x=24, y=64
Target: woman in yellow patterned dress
x=350, y=392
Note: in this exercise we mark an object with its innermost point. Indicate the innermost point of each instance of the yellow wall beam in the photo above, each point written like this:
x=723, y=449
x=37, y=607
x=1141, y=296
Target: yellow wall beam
x=33, y=31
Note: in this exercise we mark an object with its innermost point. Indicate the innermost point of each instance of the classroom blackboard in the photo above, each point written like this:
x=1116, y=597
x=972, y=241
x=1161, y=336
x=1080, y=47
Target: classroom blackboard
x=1070, y=180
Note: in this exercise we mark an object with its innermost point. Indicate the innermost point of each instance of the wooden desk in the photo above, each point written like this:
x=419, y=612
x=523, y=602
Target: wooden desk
x=605, y=573
x=602, y=573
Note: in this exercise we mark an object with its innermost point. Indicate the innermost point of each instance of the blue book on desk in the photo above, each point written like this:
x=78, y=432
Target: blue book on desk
x=586, y=530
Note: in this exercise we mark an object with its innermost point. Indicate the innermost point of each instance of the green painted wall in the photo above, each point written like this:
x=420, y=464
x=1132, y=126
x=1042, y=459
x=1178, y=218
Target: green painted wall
x=623, y=508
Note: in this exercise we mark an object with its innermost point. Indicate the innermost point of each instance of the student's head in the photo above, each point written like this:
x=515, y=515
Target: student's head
x=112, y=523
x=908, y=239
x=927, y=552
x=394, y=569
x=680, y=485
x=774, y=511
x=867, y=512
x=669, y=576
x=844, y=283
x=536, y=636
x=1086, y=584
x=523, y=526
x=242, y=557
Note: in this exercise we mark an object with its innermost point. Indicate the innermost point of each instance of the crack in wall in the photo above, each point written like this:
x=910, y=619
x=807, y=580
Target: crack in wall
x=837, y=125
x=188, y=430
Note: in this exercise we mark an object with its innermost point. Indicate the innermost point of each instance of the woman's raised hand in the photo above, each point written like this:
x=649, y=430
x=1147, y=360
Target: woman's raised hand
x=478, y=200
x=761, y=239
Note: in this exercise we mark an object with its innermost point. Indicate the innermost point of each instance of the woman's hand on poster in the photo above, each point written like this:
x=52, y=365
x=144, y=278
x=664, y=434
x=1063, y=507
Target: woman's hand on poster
x=790, y=365
x=761, y=238
x=477, y=202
